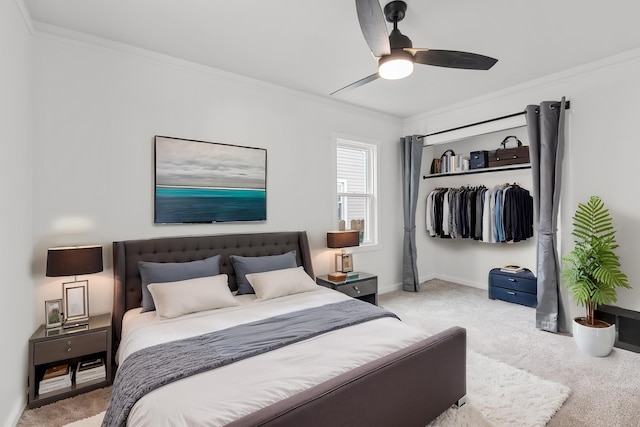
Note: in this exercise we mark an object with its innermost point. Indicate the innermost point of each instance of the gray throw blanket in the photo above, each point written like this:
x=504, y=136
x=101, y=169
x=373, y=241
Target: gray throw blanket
x=156, y=366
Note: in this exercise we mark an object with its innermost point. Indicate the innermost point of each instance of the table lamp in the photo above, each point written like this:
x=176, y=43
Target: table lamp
x=74, y=261
x=343, y=239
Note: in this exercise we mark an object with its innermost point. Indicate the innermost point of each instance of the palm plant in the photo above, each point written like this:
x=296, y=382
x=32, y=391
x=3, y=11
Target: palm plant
x=591, y=271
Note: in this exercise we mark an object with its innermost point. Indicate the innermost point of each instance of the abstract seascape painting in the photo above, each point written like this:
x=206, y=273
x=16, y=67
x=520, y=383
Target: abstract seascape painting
x=207, y=182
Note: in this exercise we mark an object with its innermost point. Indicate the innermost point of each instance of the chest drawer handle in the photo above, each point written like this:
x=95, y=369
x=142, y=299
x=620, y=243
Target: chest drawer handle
x=511, y=279
x=355, y=288
x=69, y=349
x=511, y=293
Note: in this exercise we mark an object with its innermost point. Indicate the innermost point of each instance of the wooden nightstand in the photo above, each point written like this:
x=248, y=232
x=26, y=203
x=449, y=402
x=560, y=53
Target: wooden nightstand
x=52, y=347
x=363, y=287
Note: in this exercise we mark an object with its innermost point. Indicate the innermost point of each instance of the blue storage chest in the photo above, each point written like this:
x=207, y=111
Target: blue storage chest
x=519, y=288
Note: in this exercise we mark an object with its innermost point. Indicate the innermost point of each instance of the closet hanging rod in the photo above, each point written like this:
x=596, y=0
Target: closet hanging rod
x=508, y=116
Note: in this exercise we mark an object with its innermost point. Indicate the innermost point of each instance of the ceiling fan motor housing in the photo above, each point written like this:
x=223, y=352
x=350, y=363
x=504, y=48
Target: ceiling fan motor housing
x=397, y=40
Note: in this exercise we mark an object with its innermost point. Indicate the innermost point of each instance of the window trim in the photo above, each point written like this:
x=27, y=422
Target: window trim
x=372, y=147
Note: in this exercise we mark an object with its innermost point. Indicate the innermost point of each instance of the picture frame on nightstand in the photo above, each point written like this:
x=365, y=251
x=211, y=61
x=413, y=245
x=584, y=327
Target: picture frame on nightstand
x=53, y=313
x=76, y=302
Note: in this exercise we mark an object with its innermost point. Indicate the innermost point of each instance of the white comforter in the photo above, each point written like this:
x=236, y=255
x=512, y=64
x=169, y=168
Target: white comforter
x=222, y=395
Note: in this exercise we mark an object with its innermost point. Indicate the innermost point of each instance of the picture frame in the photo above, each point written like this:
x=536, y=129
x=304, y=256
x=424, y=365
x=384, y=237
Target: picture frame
x=53, y=314
x=347, y=263
x=54, y=332
x=200, y=182
x=75, y=296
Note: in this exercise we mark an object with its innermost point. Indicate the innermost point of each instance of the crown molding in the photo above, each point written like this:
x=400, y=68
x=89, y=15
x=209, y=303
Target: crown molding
x=63, y=35
x=26, y=16
x=542, y=82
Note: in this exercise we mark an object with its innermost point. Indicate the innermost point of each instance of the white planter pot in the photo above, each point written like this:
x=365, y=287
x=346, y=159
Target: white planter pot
x=594, y=341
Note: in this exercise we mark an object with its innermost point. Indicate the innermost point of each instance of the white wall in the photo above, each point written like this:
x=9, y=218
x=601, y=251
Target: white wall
x=97, y=110
x=602, y=152
x=15, y=223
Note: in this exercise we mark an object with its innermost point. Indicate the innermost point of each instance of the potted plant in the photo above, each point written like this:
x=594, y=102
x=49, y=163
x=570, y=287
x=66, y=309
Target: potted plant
x=591, y=271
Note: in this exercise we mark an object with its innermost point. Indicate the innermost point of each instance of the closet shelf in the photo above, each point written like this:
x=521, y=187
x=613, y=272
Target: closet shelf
x=483, y=170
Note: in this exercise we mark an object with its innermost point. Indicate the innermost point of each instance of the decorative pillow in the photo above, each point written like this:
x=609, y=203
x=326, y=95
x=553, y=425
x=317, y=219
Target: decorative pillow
x=245, y=265
x=161, y=272
x=278, y=283
x=173, y=299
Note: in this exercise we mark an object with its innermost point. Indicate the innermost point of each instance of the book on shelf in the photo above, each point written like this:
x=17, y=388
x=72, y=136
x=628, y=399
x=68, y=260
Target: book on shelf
x=55, y=383
x=512, y=269
x=48, y=388
x=83, y=378
x=337, y=277
x=89, y=370
x=56, y=371
x=84, y=365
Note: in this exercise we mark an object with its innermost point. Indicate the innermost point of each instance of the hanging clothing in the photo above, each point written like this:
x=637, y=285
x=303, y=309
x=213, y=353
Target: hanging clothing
x=502, y=214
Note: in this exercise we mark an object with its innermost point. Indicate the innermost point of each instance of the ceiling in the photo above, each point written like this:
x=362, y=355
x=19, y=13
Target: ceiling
x=317, y=47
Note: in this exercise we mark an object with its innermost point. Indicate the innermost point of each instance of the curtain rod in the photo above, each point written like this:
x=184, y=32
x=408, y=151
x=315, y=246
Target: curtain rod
x=508, y=116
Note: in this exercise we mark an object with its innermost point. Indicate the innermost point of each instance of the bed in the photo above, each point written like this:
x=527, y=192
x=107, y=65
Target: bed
x=373, y=373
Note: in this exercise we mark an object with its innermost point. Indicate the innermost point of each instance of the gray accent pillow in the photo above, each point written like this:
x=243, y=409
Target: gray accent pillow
x=161, y=272
x=244, y=265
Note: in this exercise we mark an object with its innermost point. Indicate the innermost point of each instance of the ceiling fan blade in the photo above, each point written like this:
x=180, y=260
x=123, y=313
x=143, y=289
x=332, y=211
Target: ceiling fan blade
x=374, y=28
x=354, y=85
x=454, y=59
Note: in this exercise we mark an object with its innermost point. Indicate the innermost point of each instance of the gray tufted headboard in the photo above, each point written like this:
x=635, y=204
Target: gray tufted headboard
x=126, y=254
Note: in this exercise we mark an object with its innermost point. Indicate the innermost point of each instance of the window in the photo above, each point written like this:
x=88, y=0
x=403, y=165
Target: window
x=356, y=187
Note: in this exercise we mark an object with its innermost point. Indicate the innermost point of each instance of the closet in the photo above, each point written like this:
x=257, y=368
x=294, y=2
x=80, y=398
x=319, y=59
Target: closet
x=465, y=259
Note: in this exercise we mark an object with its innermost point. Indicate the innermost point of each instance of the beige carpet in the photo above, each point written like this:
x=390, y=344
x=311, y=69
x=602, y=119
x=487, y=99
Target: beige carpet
x=68, y=410
x=605, y=392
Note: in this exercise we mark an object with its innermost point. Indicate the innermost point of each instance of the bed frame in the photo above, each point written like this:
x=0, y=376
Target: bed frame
x=409, y=387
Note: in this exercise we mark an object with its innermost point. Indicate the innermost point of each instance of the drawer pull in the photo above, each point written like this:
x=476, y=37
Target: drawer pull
x=69, y=349
x=355, y=288
x=511, y=279
x=511, y=293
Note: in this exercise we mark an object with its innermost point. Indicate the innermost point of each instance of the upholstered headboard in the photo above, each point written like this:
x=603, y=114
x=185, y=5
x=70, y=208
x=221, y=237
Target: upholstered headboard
x=126, y=254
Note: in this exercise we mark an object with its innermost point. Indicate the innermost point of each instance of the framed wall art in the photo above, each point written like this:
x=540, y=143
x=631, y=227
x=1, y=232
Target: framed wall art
x=53, y=313
x=208, y=182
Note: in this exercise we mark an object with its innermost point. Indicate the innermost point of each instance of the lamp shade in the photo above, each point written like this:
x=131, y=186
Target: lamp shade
x=74, y=260
x=343, y=239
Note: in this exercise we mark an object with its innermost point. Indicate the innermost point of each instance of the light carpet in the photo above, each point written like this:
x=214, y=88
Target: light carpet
x=497, y=395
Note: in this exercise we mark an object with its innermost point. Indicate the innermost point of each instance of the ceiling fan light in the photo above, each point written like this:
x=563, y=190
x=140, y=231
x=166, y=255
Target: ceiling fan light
x=395, y=66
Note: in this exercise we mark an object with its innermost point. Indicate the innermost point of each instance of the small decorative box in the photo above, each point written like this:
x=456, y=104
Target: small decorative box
x=478, y=159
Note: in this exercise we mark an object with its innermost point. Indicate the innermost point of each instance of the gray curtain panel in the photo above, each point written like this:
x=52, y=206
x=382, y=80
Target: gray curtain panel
x=545, y=125
x=411, y=164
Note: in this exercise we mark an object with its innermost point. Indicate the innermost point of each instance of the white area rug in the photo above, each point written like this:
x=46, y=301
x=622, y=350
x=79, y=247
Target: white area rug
x=497, y=395
x=501, y=395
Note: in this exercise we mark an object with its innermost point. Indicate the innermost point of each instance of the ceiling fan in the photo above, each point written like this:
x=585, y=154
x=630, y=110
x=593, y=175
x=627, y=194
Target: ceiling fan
x=395, y=52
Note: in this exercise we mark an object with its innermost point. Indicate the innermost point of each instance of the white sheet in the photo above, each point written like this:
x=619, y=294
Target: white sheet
x=225, y=394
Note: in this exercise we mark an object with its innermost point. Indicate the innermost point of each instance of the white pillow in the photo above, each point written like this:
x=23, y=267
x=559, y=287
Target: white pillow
x=278, y=283
x=173, y=299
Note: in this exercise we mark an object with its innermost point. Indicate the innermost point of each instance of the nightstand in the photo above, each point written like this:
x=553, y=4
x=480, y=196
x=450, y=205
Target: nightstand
x=364, y=287
x=52, y=347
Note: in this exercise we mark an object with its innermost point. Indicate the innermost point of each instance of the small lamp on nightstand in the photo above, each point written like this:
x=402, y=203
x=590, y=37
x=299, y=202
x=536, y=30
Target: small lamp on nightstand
x=343, y=239
x=74, y=261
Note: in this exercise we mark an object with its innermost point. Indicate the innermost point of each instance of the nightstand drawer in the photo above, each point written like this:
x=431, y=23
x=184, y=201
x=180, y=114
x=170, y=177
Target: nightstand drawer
x=69, y=347
x=358, y=289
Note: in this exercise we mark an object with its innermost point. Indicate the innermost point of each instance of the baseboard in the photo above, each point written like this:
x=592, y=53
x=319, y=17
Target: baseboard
x=398, y=286
x=15, y=415
x=458, y=280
